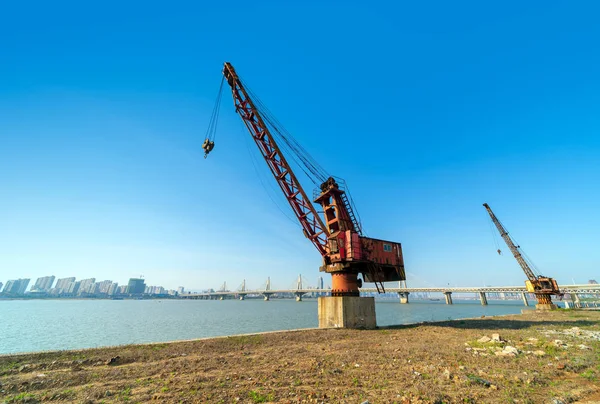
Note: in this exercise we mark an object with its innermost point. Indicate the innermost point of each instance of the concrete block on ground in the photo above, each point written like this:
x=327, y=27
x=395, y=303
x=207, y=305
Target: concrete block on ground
x=347, y=312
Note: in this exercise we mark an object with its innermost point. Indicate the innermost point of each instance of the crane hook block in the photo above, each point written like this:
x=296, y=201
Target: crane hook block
x=208, y=145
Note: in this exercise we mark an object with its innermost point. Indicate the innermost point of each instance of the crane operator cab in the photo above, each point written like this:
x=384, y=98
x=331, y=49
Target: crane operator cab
x=208, y=145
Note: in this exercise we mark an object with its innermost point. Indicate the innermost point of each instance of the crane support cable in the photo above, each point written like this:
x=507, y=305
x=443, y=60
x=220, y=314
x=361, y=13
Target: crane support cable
x=299, y=154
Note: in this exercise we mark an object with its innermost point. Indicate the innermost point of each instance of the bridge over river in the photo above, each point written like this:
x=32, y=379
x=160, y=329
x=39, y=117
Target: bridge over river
x=574, y=291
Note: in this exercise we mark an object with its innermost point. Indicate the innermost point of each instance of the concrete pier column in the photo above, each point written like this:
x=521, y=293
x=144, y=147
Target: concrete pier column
x=403, y=297
x=524, y=296
x=448, y=297
x=221, y=297
x=299, y=297
x=267, y=297
x=576, y=300
x=483, y=298
x=242, y=297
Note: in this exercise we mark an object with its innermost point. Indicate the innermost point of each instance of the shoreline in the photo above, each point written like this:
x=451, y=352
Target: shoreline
x=537, y=357
x=82, y=350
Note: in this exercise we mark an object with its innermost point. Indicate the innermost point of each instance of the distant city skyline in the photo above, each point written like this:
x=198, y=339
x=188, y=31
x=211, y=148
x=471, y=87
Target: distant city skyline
x=70, y=287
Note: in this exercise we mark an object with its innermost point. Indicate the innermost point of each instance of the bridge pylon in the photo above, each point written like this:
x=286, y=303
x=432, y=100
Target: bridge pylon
x=242, y=290
x=266, y=293
x=299, y=293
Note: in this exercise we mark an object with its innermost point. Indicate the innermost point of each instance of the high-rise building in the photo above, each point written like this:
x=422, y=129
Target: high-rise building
x=23, y=283
x=104, y=286
x=43, y=284
x=86, y=286
x=8, y=287
x=1, y=286
x=180, y=290
x=113, y=289
x=63, y=285
x=155, y=290
x=16, y=287
x=74, y=288
x=136, y=286
x=122, y=289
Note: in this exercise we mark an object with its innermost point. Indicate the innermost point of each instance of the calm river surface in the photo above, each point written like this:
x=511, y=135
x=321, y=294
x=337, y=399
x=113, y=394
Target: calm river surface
x=37, y=325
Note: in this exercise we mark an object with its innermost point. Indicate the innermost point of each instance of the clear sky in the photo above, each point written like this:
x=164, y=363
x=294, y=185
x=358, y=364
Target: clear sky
x=427, y=109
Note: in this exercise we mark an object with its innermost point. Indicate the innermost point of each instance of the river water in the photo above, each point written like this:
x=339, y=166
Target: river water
x=38, y=325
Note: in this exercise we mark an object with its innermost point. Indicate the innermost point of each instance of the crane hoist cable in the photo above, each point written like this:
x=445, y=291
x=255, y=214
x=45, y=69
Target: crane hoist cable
x=211, y=131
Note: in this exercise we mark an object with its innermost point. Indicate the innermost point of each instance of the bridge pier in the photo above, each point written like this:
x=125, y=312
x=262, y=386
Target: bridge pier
x=267, y=296
x=448, y=296
x=242, y=297
x=576, y=300
x=525, y=301
x=483, y=298
x=403, y=297
x=299, y=296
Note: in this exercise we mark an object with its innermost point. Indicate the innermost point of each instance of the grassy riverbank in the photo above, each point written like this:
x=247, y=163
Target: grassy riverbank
x=539, y=358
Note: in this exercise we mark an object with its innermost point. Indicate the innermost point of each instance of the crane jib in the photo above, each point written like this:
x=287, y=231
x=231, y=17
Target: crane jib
x=313, y=227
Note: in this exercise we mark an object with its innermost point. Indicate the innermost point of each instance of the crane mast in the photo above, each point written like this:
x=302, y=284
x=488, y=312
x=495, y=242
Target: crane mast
x=543, y=287
x=346, y=253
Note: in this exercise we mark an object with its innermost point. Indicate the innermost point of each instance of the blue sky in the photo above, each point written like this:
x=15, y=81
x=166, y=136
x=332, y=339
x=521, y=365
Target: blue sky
x=427, y=109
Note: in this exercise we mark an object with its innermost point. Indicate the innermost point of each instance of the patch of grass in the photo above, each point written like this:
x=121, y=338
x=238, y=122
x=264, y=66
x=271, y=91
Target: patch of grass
x=245, y=340
x=581, y=363
x=257, y=397
x=125, y=394
x=164, y=389
x=144, y=382
x=5, y=367
x=589, y=374
x=485, y=345
x=549, y=348
x=21, y=398
x=68, y=393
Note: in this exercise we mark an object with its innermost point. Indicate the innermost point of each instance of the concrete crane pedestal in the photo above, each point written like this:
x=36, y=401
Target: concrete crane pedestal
x=347, y=312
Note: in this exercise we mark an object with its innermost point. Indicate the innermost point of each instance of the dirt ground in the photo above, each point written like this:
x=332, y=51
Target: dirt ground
x=550, y=358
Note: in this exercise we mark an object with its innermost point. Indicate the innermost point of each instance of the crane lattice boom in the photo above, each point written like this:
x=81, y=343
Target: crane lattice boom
x=311, y=223
x=511, y=245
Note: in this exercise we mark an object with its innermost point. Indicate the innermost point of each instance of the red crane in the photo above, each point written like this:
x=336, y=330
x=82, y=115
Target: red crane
x=338, y=236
